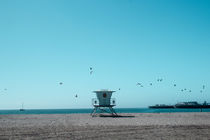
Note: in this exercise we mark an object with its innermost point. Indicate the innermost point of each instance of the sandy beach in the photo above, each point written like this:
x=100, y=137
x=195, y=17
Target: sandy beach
x=129, y=126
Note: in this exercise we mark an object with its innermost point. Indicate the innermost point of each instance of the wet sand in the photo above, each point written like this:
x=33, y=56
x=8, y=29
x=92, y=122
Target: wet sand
x=129, y=126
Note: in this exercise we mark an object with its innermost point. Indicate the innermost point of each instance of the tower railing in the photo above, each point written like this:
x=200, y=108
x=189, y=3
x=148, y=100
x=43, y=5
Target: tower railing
x=95, y=102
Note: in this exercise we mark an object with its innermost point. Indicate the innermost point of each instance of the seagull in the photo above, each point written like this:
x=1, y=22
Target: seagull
x=138, y=84
x=160, y=80
x=91, y=70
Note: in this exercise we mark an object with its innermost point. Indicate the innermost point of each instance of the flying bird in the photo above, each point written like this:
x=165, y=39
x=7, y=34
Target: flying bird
x=159, y=79
x=138, y=84
x=91, y=70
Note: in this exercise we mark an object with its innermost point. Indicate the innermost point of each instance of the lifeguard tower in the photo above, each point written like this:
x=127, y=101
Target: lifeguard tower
x=103, y=102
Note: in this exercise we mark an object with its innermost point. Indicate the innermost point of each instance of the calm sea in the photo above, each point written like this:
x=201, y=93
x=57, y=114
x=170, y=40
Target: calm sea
x=118, y=110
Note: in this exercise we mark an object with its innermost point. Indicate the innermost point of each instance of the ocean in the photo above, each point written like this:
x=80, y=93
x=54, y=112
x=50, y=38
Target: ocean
x=118, y=110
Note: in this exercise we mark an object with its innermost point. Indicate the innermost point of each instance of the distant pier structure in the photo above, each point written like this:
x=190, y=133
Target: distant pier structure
x=103, y=103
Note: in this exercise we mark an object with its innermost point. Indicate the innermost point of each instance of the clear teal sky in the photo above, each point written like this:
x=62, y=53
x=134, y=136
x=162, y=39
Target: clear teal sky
x=44, y=42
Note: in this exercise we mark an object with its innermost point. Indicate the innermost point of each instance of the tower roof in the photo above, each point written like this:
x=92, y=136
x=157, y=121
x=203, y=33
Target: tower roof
x=104, y=90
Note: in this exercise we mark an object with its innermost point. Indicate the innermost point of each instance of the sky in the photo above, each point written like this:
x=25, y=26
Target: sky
x=45, y=42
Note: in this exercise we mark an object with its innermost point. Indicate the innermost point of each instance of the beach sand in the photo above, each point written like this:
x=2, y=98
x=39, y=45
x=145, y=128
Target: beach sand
x=83, y=126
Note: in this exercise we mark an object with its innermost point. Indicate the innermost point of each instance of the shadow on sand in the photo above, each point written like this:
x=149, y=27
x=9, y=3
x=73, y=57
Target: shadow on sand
x=117, y=116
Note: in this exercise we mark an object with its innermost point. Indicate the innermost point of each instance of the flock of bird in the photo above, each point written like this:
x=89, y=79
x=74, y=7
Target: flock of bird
x=182, y=90
x=91, y=72
x=138, y=84
x=61, y=83
x=158, y=80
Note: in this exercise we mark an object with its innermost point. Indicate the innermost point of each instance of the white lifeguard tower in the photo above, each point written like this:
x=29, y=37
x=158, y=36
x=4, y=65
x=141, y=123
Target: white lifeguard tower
x=103, y=101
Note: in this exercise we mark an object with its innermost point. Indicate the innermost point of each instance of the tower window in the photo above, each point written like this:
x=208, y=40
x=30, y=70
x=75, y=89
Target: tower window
x=104, y=95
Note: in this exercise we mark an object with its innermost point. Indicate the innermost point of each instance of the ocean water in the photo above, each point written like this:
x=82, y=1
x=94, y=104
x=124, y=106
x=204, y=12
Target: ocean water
x=118, y=110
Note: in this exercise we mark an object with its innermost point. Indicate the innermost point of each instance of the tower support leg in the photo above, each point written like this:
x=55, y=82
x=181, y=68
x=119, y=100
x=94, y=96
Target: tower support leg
x=112, y=111
x=93, y=113
x=102, y=110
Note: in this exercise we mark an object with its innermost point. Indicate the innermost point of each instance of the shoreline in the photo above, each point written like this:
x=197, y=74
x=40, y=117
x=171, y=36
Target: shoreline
x=83, y=126
x=86, y=111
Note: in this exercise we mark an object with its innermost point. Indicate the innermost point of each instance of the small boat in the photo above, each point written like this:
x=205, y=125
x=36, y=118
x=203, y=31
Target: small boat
x=22, y=109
